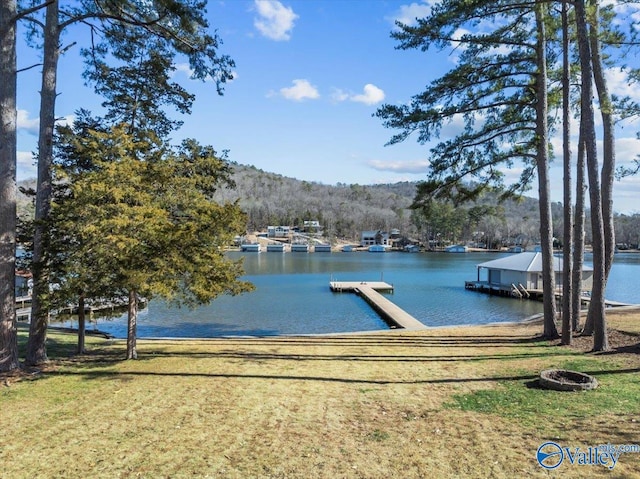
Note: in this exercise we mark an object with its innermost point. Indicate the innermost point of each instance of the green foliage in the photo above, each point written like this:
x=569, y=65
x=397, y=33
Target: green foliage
x=489, y=93
x=146, y=226
x=523, y=400
x=129, y=95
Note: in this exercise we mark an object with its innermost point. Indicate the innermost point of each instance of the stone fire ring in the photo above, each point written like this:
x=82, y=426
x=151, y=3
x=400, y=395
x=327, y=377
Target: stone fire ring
x=563, y=380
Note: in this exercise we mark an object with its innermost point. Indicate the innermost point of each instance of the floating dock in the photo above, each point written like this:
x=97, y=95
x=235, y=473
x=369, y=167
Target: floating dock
x=390, y=312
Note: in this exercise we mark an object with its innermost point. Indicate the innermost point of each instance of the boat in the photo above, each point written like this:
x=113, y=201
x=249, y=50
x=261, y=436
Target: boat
x=322, y=248
x=300, y=248
x=377, y=248
x=251, y=247
x=275, y=248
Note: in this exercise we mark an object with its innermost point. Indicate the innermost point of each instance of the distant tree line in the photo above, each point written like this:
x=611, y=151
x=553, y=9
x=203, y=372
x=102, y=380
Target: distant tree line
x=345, y=210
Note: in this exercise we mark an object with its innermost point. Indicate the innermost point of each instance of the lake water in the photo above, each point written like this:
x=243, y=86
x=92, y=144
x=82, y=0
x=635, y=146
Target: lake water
x=292, y=296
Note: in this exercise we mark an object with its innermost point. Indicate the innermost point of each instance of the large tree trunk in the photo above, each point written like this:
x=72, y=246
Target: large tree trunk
x=36, y=346
x=608, y=137
x=8, y=190
x=578, y=238
x=587, y=124
x=132, y=326
x=567, y=241
x=546, y=227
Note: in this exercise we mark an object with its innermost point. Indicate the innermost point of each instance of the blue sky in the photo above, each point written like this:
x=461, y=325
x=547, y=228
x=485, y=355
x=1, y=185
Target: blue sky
x=309, y=76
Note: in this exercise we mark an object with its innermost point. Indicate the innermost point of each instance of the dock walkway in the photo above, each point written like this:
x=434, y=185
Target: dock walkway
x=394, y=315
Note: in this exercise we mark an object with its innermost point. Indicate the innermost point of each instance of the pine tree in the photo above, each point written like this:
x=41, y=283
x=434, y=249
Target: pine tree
x=146, y=228
x=180, y=25
x=8, y=189
x=499, y=89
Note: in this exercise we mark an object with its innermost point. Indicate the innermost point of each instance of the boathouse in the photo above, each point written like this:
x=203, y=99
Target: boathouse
x=522, y=271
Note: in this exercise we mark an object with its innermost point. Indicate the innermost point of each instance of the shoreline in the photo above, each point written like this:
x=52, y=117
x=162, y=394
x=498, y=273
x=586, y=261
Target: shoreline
x=535, y=319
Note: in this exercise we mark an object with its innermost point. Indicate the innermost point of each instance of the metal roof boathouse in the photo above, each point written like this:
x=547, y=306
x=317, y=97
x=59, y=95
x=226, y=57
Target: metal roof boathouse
x=520, y=275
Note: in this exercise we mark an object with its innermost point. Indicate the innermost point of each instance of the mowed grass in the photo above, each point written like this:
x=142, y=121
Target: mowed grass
x=451, y=402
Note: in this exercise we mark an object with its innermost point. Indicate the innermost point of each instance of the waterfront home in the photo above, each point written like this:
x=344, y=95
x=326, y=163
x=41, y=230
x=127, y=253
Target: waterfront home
x=369, y=238
x=456, y=248
x=278, y=231
x=522, y=270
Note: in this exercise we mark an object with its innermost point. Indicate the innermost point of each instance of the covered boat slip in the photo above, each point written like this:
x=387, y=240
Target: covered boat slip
x=520, y=275
x=390, y=312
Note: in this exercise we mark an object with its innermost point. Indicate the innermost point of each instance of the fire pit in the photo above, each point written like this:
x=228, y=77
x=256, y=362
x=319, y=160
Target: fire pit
x=563, y=380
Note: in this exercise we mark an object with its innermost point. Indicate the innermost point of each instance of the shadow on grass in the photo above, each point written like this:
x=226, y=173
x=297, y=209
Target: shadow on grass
x=254, y=356
x=129, y=374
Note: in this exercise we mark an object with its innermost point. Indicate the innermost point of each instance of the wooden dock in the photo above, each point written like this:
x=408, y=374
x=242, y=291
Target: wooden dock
x=519, y=292
x=352, y=286
x=390, y=312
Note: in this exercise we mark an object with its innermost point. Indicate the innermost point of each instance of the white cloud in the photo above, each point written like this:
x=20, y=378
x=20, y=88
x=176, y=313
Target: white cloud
x=30, y=125
x=626, y=150
x=416, y=166
x=619, y=84
x=372, y=95
x=408, y=13
x=26, y=167
x=339, y=95
x=301, y=90
x=66, y=120
x=275, y=21
x=184, y=68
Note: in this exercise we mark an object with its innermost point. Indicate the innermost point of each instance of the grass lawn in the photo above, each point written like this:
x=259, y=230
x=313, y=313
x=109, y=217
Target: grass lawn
x=450, y=402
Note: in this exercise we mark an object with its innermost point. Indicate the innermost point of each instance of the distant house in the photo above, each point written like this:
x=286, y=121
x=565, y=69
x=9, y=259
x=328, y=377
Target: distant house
x=368, y=238
x=525, y=269
x=278, y=231
x=311, y=226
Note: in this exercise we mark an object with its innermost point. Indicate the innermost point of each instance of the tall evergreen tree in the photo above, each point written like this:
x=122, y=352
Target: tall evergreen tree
x=9, y=16
x=588, y=135
x=146, y=228
x=499, y=89
x=182, y=27
x=8, y=188
x=568, y=231
x=137, y=91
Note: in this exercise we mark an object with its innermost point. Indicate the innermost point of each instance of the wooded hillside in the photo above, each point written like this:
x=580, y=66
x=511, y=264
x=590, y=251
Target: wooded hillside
x=344, y=210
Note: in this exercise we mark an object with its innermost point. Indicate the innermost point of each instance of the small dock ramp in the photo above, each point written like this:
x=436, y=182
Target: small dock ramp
x=394, y=315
